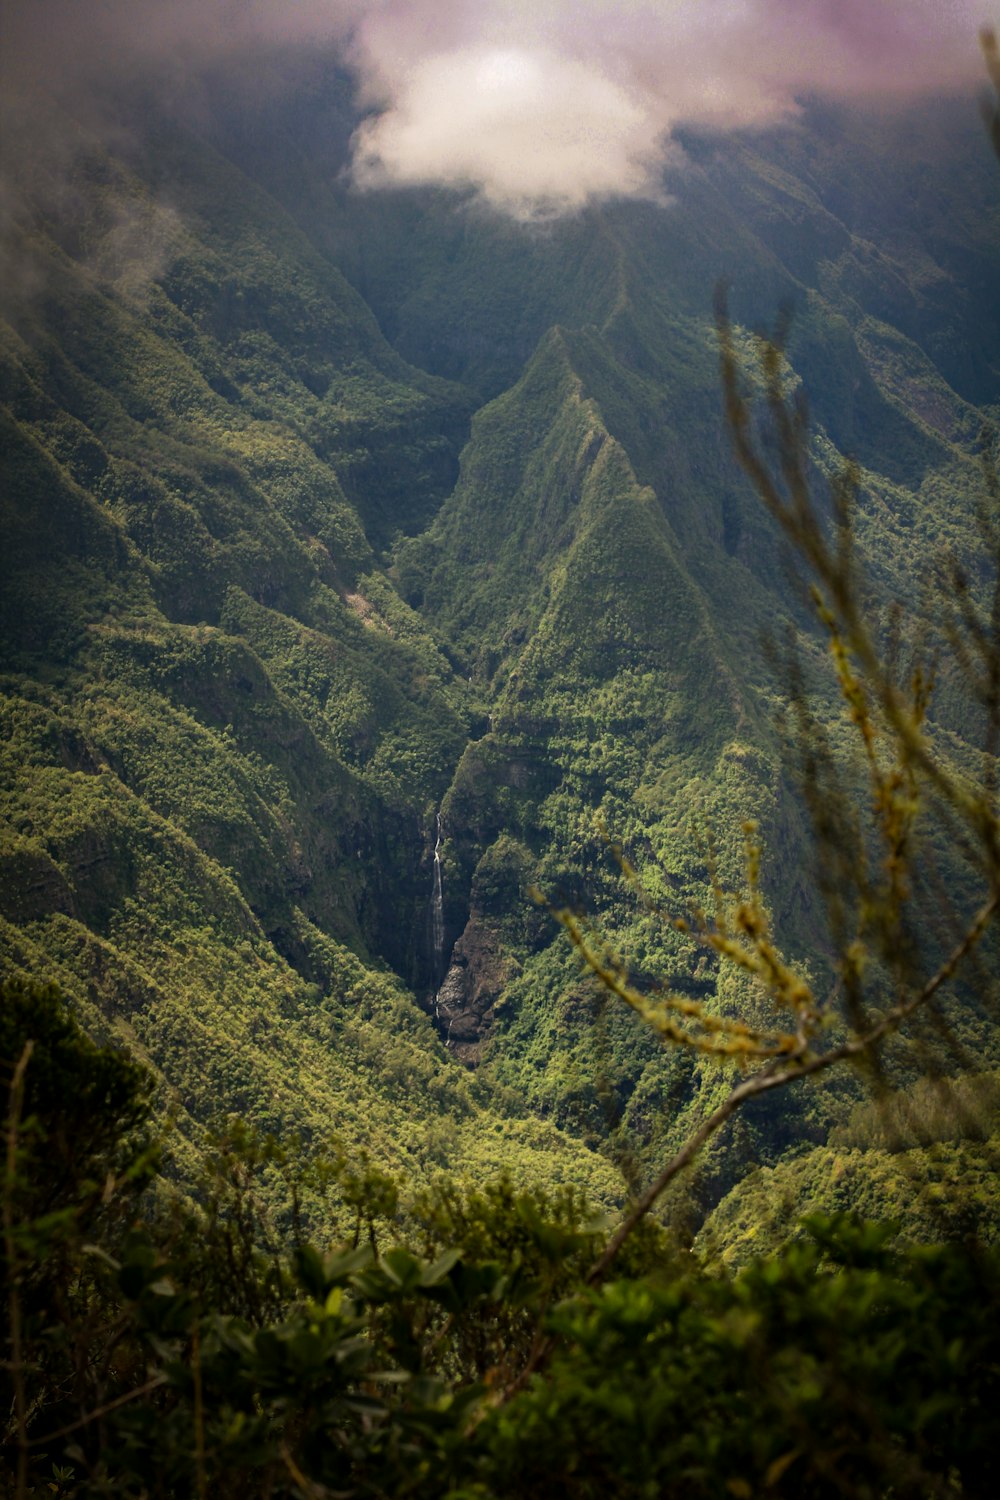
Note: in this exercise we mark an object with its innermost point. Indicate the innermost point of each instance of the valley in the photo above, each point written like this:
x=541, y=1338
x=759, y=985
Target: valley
x=372, y=561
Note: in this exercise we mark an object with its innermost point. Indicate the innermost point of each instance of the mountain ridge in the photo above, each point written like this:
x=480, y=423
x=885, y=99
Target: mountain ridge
x=276, y=599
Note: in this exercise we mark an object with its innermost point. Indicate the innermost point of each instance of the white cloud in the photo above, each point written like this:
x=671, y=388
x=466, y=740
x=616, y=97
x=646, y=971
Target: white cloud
x=542, y=106
x=533, y=131
x=539, y=105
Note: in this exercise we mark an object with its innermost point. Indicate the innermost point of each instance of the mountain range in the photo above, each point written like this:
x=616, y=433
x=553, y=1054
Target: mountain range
x=373, y=560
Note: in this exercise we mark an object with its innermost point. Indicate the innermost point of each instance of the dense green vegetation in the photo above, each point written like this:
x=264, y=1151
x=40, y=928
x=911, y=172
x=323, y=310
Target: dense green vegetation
x=359, y=551
x=181, y=1352
x=325, y=514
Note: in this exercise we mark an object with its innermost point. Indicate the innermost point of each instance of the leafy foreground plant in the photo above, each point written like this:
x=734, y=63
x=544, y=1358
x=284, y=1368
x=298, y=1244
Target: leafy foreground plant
x=840, y=1367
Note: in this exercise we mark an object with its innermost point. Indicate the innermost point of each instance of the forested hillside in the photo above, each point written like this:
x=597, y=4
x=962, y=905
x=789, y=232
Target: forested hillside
x=361, y=550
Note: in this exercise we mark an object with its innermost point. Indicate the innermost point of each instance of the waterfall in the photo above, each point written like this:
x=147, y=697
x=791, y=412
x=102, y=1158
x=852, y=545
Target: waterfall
x=437, y=915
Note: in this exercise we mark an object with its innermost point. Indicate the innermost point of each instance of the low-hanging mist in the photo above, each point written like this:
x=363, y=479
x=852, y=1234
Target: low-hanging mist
x=538, y=108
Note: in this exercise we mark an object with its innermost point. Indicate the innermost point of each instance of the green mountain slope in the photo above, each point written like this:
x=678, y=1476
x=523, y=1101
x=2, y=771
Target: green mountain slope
x=608, y=580
x=344, y=532
x=224, y=731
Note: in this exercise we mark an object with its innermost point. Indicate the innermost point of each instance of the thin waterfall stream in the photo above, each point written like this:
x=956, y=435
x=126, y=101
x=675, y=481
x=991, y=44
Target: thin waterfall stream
x=437, y=914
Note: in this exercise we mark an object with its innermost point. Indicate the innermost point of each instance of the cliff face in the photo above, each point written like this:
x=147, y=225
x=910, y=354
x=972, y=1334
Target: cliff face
x=344, y=533
x=477, y=975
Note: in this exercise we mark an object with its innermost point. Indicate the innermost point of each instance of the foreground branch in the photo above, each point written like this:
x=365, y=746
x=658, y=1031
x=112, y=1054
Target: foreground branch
x=13, y=1274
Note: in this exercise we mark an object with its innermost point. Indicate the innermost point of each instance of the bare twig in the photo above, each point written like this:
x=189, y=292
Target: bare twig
x=777, y=1074
x=308, y=1486
x=101, y=1411
x=15, y=1105
x=199, y=1413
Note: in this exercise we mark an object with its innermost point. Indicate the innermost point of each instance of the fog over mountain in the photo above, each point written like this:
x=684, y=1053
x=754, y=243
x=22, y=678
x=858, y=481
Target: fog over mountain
x=539, y=108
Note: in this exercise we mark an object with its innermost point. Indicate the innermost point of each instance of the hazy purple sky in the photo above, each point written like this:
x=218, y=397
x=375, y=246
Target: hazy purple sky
x=540, y=104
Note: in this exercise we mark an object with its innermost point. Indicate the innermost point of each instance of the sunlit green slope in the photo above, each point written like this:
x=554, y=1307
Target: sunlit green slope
x=610, y=582
x=224, y=732
x=326, y=514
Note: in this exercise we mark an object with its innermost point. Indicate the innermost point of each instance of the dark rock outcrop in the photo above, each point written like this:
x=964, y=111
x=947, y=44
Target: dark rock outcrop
x=477, y=974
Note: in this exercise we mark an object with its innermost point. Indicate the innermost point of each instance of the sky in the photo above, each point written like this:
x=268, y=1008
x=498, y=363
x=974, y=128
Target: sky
x=540, y=106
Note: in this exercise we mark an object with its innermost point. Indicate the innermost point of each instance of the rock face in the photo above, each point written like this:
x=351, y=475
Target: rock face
x=476, y=976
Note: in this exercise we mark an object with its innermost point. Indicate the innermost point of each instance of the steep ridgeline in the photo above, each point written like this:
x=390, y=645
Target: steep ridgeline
x=369, y=560
x=607, y=582
x=224, y=732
